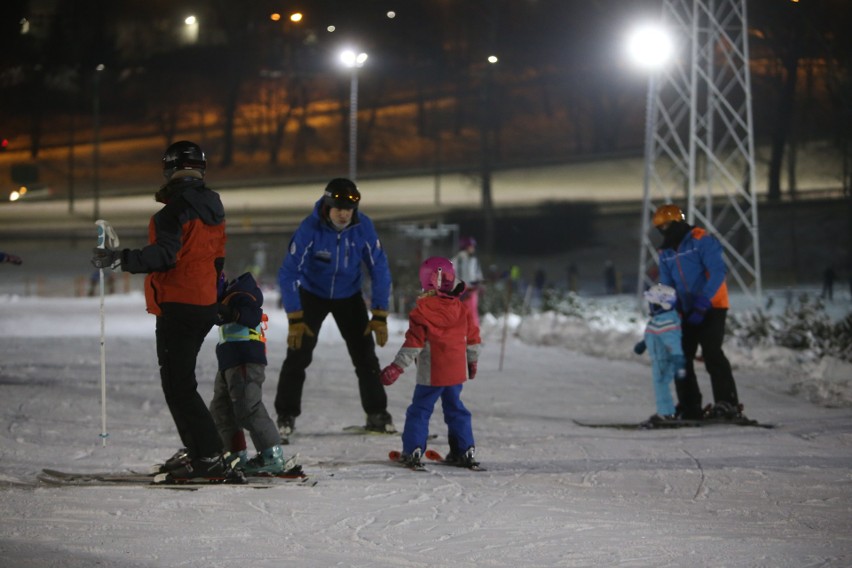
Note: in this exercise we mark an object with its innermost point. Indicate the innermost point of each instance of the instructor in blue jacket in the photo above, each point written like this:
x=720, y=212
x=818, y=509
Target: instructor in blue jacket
x=321, y=274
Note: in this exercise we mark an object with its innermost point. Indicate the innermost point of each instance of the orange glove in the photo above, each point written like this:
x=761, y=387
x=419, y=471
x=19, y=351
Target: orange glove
x=379, y=326
x=297, y=329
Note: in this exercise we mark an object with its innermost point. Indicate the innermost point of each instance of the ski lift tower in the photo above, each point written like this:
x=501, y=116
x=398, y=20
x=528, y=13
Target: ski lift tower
x=699, y=141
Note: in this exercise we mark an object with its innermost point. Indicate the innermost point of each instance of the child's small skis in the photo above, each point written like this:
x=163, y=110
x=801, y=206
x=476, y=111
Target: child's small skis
x=411, y=462
x=465, y=463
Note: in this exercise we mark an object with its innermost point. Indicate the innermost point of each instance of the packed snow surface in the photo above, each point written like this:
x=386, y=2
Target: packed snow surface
x=555, y=493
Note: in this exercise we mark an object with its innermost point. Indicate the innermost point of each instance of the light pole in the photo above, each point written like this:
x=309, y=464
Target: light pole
x=353, y=61
x=650, y=48
x=96, y=142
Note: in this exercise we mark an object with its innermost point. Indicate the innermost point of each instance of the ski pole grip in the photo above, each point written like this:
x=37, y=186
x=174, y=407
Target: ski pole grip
x=107, y=238
x=101, y=233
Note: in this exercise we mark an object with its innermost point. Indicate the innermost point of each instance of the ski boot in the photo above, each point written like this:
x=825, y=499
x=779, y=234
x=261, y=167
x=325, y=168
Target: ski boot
x=216, y=469
x=270, y=461
x=286, y=425
x=237, y=458
x=723, y=411
x=462, y=459
x=412, y=460
x=178, y=459
x=657, y=421
x=380, y=422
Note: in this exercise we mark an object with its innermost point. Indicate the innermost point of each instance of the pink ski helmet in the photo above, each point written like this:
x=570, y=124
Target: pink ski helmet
x=466, y=242
x=437, y=273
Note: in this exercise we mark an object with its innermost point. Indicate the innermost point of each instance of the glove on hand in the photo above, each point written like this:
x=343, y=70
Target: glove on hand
x=297, y=329
x=679, y=363
x=640, y=347
x=379, y=326
x=390, y=374
x=106, y=258
x=699, y=310
x=471, y=370
x=227, y=313
x=13, y=258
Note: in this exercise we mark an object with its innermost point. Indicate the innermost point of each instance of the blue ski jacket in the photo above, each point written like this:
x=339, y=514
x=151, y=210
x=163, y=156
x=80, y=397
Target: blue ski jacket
x=327, y=262
x=695, y=269
x=663, y=340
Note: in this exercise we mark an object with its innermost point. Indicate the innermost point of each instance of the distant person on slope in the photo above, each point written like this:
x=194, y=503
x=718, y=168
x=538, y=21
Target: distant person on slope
x=690, y=261
x=321, y=275
x=663, y=342
x=468, y=270
x=183, y=262
x=10, y=258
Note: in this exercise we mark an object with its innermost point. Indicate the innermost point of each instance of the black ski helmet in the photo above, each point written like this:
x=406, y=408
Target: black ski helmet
x=183, y=155
x=342, y=194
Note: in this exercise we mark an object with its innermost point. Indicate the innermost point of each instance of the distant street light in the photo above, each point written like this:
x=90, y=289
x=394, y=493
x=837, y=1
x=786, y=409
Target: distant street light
x=190, y=30
x=353, y=61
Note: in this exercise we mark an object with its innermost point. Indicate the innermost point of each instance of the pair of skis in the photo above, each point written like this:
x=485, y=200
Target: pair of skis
x=434, y=457
x=57, y=478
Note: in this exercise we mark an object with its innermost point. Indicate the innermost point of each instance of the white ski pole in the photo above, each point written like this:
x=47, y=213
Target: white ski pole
x=105, y=236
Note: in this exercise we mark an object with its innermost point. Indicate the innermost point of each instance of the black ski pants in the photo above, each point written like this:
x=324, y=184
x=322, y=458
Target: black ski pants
x=181, y=330
x=350, y=315
x=709, y=334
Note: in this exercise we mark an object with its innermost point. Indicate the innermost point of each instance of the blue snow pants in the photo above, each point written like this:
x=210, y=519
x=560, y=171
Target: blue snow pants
x=456, y=416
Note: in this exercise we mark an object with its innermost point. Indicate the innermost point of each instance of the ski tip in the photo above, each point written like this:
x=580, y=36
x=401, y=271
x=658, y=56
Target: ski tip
x=394, y=455
x=433, y=455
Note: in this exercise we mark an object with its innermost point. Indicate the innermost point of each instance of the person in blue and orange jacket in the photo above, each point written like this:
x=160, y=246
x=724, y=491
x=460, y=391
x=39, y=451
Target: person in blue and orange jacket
x=182, y=262
x=690, y=261
x=443, y=339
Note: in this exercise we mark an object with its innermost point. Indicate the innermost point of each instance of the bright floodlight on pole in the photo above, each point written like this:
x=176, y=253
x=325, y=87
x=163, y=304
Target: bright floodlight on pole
x=650, y=46
x=353, y=60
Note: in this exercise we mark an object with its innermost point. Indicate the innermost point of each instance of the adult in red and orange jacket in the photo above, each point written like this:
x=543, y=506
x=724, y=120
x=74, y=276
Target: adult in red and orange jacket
x=183, y=261
x=443, y=339
x=690, y=261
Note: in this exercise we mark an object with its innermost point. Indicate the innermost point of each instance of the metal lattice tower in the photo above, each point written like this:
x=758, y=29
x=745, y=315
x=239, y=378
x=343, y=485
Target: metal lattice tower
x=699, y=141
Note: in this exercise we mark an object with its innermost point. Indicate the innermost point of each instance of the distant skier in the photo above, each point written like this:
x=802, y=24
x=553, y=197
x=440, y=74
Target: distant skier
x=238, y=389
x=468, y=270
x=663, y=342
x=10, y=258
x=443, y=340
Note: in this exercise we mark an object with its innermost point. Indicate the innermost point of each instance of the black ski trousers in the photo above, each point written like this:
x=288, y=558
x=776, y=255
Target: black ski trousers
x=181, y=330
x=709, y=334
x=350, y=315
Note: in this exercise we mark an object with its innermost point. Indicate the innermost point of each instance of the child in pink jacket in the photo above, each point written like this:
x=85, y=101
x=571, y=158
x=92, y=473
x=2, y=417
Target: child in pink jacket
x=443, y=340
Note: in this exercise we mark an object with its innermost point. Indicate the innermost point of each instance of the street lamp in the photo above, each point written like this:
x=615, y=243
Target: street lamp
x=96, y=142
x=353, y=60
x=650, y=47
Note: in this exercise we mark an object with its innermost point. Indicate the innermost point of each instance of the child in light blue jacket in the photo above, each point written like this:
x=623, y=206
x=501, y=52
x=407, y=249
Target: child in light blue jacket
x=663, y=343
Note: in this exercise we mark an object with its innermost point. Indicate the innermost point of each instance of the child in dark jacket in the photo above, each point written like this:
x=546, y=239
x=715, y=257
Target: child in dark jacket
x=237, y=403
x=444, y=341
x=663, y=343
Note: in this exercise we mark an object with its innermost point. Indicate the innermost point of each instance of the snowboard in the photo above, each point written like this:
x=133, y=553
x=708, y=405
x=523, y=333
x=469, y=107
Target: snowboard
x=438, y=459
x=674, y=424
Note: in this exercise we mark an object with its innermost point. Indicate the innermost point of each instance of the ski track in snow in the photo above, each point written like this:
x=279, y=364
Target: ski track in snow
x=555, y=494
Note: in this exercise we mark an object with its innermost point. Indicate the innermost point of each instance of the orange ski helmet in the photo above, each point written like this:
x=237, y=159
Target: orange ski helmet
x=668, y=213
